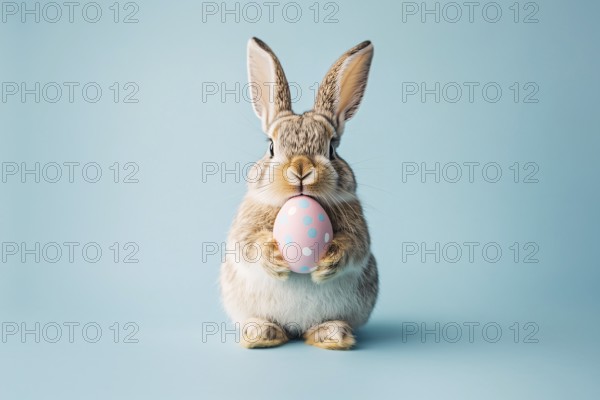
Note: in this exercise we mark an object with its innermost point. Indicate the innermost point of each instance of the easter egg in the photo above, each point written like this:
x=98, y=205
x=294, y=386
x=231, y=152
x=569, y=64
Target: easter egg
x=303, y=233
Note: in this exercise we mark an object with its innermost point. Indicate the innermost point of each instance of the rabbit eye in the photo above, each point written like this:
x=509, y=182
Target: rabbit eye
x=271, y=149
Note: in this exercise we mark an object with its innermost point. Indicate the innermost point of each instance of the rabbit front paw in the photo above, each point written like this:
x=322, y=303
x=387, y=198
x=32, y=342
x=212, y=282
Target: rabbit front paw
x=272, y=260
x=329, y=265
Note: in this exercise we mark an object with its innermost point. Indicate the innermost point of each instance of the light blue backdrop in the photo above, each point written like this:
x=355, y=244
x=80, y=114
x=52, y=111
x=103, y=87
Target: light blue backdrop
x=170, y=61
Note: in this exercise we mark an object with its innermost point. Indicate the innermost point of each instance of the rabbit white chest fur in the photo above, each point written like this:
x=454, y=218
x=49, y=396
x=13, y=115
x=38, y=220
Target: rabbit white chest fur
x=297, y=303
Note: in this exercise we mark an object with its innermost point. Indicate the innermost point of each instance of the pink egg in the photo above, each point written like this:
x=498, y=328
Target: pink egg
x=303, y=232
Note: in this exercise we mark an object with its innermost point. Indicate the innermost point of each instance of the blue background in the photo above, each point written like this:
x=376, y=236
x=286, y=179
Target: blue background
x=172, y=133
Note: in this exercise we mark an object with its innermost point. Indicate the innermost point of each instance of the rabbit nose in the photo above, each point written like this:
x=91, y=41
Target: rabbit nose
x=301, y=171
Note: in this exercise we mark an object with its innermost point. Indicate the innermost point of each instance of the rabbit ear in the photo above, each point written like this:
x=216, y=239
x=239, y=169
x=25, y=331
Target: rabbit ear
x=269, y=88
x=343, y=87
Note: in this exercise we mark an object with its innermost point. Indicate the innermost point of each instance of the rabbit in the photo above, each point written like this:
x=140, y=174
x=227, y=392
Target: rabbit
x=271, y=304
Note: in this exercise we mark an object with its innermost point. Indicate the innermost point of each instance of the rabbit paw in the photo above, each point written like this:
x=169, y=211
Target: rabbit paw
x=328, y=266
x=272, y=260
x=257, y=333
x=331, y=335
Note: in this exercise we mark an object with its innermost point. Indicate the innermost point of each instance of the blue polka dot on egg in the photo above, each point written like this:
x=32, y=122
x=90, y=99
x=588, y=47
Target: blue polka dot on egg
x=304, y=268
x=288, y=239
x=307, y=220
x=321, y=217
x=303, y=203
x=312, y=233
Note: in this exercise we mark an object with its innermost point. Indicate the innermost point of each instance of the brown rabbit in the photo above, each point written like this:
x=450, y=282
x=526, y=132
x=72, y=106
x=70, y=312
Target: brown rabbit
x=271, y=303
